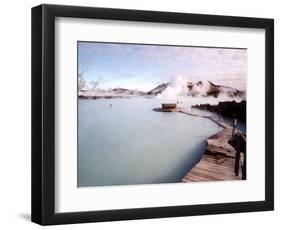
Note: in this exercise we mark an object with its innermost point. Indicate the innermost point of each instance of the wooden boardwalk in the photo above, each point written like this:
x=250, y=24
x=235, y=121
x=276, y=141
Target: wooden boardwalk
x=218, y=160
x=217, y=163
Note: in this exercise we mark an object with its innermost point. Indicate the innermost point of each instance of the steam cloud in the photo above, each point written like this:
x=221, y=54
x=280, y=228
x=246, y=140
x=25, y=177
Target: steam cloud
x=178, y=87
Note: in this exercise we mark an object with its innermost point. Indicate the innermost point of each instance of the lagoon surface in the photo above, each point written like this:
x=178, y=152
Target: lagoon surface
x=130, y=143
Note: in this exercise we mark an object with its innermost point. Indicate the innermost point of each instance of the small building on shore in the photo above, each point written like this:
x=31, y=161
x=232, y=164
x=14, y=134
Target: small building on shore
x=169, y=106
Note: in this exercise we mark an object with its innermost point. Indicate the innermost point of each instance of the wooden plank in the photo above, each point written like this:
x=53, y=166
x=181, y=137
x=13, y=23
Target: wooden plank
x=208, y=170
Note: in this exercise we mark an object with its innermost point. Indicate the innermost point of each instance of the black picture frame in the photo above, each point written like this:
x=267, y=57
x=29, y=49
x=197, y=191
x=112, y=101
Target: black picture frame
x=43, y=114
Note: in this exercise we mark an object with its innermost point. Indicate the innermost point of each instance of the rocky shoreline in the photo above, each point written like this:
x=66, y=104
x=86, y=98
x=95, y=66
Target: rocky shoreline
x=231, y=109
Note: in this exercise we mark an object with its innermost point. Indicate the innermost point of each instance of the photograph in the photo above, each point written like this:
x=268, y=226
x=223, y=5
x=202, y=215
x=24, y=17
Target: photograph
x=154, y=113
x=143, y=113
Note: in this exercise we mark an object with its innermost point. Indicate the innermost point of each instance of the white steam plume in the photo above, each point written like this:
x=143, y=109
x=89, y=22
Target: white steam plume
x=177, y=87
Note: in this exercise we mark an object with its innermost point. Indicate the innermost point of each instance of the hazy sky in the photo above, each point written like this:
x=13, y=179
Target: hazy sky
x=144, y=67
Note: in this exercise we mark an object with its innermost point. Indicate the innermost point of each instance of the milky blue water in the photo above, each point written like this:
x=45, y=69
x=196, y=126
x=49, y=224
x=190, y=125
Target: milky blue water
x=130, y=143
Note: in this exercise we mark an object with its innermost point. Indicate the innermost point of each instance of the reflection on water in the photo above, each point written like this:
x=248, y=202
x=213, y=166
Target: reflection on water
x=129, y=143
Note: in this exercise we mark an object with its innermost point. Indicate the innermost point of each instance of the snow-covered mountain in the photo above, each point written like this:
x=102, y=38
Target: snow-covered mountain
x=207, y=88
x=200, y=88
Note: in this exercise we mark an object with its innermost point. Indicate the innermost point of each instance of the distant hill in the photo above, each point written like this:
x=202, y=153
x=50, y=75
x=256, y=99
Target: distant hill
x=110, y=93
x=159, y=89
x=120, y=91
x=200, y=88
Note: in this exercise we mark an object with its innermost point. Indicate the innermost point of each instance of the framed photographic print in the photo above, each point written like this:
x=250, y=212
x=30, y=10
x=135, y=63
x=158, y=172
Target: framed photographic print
x=142, y=114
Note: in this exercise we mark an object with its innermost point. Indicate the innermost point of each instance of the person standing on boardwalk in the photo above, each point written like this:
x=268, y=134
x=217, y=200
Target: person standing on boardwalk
x=238, y=142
